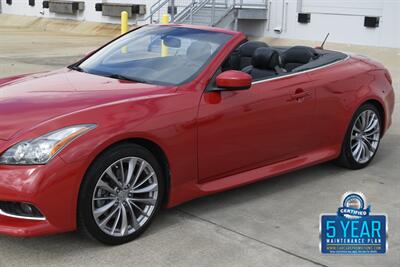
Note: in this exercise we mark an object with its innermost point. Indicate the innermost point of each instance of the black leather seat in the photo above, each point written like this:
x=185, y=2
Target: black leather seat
x=264, y=63
x=246, y=52
x=297, y=56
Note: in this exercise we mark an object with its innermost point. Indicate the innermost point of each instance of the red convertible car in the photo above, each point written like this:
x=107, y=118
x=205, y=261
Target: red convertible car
x=168, y=113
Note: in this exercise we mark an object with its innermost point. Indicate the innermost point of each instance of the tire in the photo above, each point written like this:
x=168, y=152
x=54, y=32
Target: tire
x=368, y=138
x=113, y=208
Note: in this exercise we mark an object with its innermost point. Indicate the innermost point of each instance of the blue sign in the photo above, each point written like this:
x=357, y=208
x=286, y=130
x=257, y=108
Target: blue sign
x=353, y=229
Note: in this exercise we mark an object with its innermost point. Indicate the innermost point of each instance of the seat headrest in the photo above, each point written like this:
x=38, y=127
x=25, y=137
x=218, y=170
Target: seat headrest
x=265, y=58
x=198, y=50
x=299, y=54
x=247, y=49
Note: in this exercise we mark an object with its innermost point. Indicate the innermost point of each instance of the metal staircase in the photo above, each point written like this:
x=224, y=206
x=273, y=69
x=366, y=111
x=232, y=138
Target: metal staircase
x=204, y=16
x=206, y=12
x=219, y=13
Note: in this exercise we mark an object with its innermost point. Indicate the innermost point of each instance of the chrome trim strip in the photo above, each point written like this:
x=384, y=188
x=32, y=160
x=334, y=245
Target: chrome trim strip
x=301, y=72
x=21, y=217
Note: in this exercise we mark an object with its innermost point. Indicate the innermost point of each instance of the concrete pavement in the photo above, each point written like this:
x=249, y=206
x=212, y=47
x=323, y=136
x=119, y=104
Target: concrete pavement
x=270, y=223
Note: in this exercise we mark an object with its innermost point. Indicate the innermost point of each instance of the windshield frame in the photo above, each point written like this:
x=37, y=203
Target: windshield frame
x=230, y=36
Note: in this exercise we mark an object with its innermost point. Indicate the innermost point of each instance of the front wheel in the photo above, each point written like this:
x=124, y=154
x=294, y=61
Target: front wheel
x=120, y=194
x=362, y=138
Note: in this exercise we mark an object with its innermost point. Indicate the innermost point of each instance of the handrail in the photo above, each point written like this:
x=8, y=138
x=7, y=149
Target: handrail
x=183, y=12
x=255, y=5
x=154, y=9
x=223, y=15
x=192, y=8
x=212, y=12
x=190, y=11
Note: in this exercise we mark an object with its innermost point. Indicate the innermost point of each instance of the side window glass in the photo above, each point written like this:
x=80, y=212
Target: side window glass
x=232, y=62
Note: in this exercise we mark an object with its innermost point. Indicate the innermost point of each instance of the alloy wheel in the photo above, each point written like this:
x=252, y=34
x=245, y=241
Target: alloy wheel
x=365, y=136
x=125, y=196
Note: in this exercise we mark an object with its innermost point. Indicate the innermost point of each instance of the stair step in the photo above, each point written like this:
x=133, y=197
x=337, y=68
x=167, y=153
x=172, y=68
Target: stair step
x=202, y=11
x=210, y=10
x=208, y=21
x=203, y=16
x=209, y=14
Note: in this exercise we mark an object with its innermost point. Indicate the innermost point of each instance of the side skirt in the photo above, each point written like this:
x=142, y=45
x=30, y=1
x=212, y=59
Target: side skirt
x=192, y=189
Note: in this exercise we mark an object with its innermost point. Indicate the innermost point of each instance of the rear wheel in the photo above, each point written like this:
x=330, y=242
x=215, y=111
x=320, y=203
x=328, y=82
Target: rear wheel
x=120, y=195
x=362, y=138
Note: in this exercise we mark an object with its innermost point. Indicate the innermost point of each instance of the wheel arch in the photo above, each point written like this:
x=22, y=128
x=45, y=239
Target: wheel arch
x=161, y=157
x=154, y=148
x=82, y=224
x=341, y=160
x=376, y=103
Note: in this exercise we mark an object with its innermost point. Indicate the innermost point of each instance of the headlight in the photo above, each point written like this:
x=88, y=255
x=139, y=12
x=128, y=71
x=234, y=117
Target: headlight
x=43, y=148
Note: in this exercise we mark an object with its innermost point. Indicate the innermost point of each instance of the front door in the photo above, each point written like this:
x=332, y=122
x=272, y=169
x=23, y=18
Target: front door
x=242, y=130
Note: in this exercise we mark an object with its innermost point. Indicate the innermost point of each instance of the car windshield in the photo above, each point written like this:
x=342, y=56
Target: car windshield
x=156, y=54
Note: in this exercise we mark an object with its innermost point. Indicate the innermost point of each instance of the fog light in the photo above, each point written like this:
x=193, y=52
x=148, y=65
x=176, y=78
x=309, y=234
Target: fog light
x=26, y=208
x=20, y=210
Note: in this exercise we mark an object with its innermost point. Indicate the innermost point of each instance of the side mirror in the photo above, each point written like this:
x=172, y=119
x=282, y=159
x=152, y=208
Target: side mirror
x=234, y=80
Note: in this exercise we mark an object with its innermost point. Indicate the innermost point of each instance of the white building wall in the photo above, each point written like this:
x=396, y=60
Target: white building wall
x=343, y=19
x=21, y=7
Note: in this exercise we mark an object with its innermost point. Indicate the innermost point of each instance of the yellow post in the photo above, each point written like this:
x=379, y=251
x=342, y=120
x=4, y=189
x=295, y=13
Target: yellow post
x=124, y=29
x=124, y=22
x=165, y=19
x=164, y=48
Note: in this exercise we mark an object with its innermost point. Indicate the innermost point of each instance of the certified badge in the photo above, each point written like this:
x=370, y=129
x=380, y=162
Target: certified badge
x=353, y=229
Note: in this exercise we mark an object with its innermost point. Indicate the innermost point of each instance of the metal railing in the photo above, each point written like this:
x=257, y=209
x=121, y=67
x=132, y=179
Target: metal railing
x=184, y=10
x=253, y=4
x=190, y=10
x=154, y=9
x=160, y=7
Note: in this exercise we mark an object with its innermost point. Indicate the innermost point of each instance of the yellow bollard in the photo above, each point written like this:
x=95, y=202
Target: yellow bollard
x=164, y=48
x=165, y=19
x=124, y=29
x=124, y=22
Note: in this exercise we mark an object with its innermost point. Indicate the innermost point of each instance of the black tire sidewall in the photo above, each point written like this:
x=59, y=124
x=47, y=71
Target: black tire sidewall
x=100, y=164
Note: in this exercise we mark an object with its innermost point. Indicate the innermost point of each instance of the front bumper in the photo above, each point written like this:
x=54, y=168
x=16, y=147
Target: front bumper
x=52, y=188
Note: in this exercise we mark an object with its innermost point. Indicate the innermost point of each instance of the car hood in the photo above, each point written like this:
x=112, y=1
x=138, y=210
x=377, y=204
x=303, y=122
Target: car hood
x=30, y=100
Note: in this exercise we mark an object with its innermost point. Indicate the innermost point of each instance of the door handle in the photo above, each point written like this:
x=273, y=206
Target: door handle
x=299, y=95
